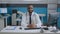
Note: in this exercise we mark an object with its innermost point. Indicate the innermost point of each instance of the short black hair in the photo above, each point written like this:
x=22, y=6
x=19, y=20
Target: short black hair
x=30, y=4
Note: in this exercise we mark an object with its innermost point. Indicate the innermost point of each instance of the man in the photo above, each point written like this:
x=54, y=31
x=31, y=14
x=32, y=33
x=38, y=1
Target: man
x=31, y=19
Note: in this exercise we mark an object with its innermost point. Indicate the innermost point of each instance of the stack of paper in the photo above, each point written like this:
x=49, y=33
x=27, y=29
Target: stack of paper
x=11, y=28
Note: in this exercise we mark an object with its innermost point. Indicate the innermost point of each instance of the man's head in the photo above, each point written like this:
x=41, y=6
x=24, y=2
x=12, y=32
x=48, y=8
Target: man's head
x=30, y=8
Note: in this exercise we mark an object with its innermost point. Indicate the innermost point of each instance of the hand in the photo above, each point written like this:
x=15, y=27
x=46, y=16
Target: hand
x=32, y=26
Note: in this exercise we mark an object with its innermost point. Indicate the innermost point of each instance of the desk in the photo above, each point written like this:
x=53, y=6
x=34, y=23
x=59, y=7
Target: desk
x=18, y=31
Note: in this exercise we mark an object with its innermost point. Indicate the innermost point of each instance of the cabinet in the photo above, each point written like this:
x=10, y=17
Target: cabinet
x=1, y=23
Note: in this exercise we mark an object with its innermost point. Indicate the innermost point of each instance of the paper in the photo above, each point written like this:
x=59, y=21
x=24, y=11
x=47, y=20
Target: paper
x=11, y=28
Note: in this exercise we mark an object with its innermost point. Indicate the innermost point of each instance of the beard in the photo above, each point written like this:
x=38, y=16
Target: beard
x=30, y=11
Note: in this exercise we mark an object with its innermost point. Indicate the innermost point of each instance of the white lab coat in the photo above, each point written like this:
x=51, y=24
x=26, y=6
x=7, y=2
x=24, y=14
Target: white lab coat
x=34, y=19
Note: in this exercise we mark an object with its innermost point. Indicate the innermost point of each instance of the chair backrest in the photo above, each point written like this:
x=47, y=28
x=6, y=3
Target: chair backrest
x=58, y=21
x=53, y=17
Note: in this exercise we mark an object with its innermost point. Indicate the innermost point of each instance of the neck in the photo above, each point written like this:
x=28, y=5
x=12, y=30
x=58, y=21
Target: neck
x=30, y=13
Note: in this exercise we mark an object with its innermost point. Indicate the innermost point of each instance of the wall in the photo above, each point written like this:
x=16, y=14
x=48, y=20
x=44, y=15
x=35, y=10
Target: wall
x=38, y=9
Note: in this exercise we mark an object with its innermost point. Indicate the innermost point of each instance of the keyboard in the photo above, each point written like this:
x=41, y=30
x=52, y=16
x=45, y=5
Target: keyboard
x=31, y=28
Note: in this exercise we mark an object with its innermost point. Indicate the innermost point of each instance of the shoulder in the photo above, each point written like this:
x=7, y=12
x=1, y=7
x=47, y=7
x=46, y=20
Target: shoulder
x=35, y=13
x=24, y=14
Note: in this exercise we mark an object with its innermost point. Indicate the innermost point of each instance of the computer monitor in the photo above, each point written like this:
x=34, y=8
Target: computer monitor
x=3, y=10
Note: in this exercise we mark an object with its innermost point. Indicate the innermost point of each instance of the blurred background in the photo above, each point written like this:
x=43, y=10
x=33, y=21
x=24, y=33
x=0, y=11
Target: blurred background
x=48, y=10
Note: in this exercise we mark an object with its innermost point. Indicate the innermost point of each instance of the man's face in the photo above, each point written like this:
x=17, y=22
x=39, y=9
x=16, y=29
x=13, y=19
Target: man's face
x=30, y=8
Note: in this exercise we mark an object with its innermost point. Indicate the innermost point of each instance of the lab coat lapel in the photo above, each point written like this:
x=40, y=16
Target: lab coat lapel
x=32, y=18
x=27, y=18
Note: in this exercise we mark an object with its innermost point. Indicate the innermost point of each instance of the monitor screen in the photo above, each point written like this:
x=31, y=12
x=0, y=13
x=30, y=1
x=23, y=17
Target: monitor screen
x=3, y=10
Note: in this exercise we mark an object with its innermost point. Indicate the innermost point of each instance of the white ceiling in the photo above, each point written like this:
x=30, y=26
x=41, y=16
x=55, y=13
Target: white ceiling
x=24, y=1
x=28, y=1
x=31, y=0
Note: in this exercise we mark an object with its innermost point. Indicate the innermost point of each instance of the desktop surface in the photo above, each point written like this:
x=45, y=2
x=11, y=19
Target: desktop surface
x=16, y=29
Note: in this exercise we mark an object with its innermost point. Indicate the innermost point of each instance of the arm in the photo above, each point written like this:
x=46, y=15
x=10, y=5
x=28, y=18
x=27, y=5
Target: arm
x=39, y=23
x=23, y=23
